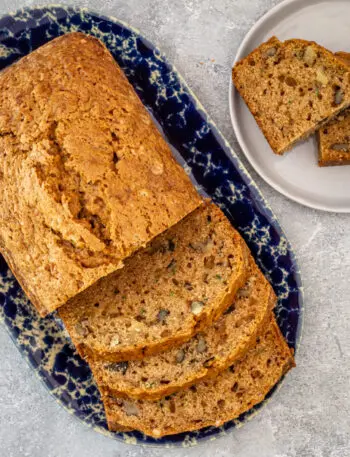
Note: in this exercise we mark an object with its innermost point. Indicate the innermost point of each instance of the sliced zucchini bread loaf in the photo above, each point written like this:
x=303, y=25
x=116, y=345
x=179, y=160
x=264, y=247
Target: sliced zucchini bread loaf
x=334, y=138
x=86, y=179
x=292, y=88
x=206, y=354
x=182, y=282
x=211, y=402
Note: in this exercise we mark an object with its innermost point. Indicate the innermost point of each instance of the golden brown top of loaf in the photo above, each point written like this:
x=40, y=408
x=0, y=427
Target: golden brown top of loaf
x=85, y=176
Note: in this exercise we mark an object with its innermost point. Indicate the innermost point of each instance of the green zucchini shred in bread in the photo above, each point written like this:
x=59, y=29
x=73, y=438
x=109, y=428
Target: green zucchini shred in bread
x=86, y=179
x=206, y=354
x=334, y=138
x=182, y=282
x=211, y=402
x=292, y=88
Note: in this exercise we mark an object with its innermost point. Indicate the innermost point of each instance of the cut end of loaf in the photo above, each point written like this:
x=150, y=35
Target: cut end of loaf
x=182, y=282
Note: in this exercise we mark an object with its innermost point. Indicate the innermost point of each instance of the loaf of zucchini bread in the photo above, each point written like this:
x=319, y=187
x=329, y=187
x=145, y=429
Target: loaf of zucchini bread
x=86, y=179
x=292, y=88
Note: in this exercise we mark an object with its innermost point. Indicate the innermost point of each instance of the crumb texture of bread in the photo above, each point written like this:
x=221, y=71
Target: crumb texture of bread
x=206, y=354
x=182, y=282
x=211, y=402
x=292, y=88
x=334, y=138
x=86, y=179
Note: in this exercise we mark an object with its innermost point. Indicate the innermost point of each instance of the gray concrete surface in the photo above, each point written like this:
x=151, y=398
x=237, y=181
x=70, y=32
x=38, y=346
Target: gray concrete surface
x=309, y=416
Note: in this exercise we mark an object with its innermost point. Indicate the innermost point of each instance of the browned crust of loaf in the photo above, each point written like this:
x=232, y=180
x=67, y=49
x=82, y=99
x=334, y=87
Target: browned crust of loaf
x=289, y=363
x=343, y=56
x=115, y=427
x=205, y=319
x=205, y=373
x=332, y=163
x=41, y=297
x=34, y=299
x=274, y=40
x=31, y=295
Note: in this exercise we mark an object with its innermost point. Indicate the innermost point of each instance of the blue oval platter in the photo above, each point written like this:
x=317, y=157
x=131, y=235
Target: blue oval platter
x=215, y=170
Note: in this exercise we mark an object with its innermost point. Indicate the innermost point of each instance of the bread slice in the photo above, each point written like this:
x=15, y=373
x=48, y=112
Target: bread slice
x=206, y=354
x=334, y=138
x=292, y=88
x=211, y=402
x=86, y=179
x=165, y=294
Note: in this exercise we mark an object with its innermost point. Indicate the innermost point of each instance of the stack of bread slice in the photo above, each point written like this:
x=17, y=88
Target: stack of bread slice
x=294, y=89
x=184, y=335
x=157, y=289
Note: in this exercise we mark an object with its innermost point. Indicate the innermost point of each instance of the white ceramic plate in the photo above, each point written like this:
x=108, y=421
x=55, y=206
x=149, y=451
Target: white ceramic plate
x=296, y=174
